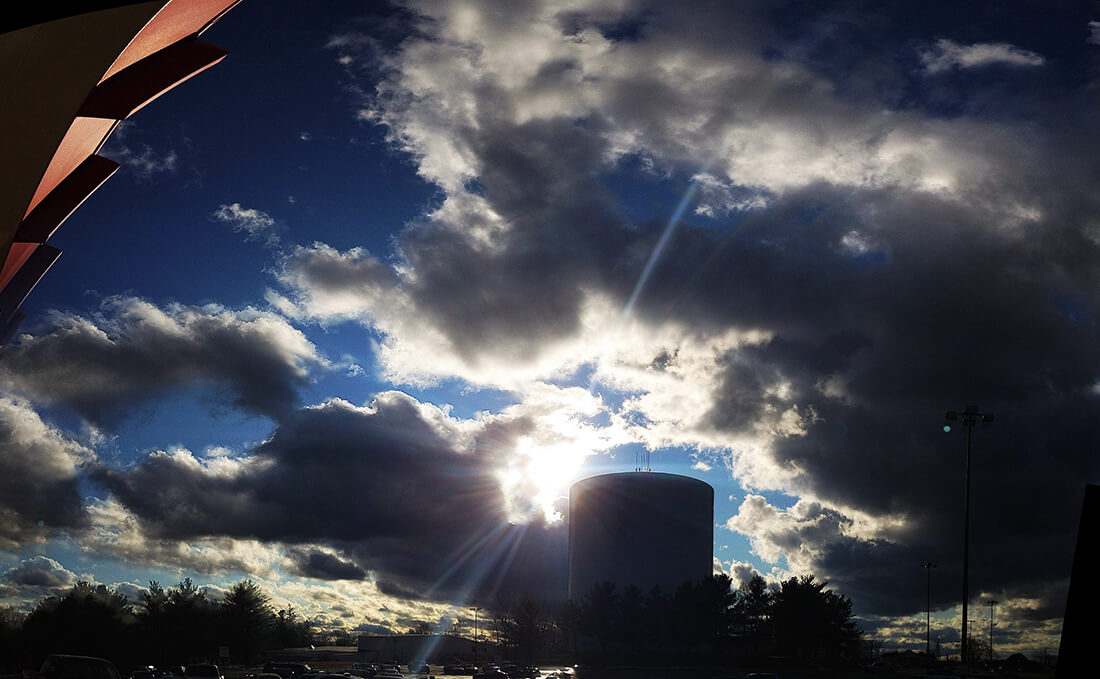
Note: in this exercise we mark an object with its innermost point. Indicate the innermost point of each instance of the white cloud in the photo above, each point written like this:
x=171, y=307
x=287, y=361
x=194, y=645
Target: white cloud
x=139, y=158
x=117, y=532
x=147, y=162
x=947, y=54
x=786, y=129
x=256, y=224
x=665, y=406
x=796, y=535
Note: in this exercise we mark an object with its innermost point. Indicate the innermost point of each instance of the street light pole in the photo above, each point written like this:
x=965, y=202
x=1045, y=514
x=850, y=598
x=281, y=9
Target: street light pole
x=476, y=610
x=928, y=566
x=992, y=603
x=970, y=416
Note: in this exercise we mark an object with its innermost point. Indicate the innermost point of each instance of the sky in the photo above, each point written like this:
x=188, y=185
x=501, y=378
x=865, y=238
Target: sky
x=369, y=295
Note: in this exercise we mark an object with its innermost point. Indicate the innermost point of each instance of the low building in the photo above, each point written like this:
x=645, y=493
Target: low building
x=406, y=648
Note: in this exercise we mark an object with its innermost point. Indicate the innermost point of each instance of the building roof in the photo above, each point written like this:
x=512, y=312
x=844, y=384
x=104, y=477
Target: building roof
x=75, y=75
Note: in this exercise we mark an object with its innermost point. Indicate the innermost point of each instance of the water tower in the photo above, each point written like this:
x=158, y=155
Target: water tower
x=639, y=528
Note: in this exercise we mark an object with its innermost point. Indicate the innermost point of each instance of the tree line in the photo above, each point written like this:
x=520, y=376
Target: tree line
x=705, y=622
x=166, y=628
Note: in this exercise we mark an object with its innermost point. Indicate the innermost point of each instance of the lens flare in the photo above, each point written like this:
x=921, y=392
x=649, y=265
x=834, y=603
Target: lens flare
x=662, y=243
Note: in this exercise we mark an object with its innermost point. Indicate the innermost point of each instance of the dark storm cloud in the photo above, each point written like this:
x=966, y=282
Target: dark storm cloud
x=947, y=255
x=528, y=288
x=385, y=486
x=566, y=232
x=39, y=486
x=325, y=566
x=950, y=311
x=106, y=366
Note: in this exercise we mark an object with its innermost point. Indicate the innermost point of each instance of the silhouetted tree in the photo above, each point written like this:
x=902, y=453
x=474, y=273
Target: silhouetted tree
x=686, y=625
x=657, y=620
x=716, y=605
x=800, y=618
x=753, y=614
x=291, y=630
x=529, y=630
x=249, y=621
x=153, y=624
x=189, y=624
x=631, y=624
x=568, y=621
x=977, y=650
x=809, y=621
x=599, y=613
x=11, y=652
x=87, y=620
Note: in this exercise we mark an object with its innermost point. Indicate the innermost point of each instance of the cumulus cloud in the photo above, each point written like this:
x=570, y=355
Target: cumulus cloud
x=543, y=251
x=863, y=262
x=116, y=531
x=40, y=572
x=39, y=484
x=946, y=54
x=416, y=501
x=742, y=572
x=256, y=224
x=848, y=268
x=103, y=366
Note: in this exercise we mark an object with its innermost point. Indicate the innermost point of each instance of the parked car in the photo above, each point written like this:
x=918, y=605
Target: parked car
x=287, y=670
x=78, y=667
x=203, y=671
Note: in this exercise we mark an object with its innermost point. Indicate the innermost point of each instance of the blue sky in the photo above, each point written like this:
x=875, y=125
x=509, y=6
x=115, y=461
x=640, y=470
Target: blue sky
x=398, y=241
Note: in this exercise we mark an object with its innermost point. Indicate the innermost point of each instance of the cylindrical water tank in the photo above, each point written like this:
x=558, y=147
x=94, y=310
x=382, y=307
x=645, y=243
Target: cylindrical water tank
x=639, y=528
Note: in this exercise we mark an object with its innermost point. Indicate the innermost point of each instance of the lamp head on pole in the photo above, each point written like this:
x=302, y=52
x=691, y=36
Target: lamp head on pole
x=948, y=418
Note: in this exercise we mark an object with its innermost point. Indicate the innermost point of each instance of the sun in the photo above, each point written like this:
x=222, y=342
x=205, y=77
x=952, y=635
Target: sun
x=548, y=468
